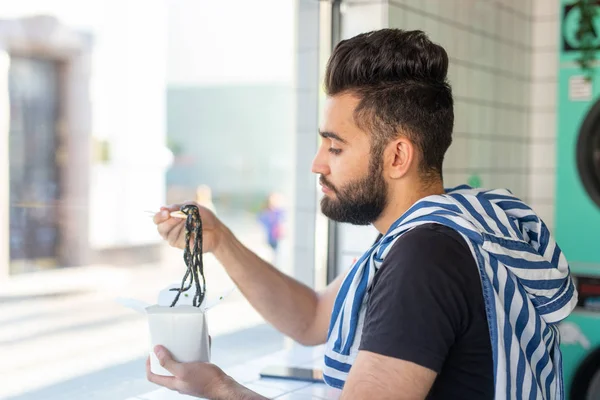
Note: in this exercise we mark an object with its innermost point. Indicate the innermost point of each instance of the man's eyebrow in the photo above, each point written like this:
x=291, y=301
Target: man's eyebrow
x=331, y=135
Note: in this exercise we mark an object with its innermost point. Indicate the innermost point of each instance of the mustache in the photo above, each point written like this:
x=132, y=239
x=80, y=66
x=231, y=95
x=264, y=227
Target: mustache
x=325, y=182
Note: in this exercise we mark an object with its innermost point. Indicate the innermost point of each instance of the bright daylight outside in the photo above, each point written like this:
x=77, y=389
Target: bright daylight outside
x=116, y=108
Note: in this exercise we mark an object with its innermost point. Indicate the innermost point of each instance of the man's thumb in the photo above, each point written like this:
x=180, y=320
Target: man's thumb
x=166, y=359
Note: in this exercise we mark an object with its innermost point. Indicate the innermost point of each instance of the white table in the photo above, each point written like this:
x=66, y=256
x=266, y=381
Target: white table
x=248, y=375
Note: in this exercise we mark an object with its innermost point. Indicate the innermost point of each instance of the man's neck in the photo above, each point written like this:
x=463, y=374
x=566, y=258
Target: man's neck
x=399, y=203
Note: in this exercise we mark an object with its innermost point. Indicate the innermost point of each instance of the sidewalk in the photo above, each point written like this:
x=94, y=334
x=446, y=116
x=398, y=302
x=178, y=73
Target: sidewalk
x=64, y=335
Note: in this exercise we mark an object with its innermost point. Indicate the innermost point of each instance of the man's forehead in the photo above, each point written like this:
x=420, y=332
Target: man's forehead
x=344, y=103
x=338, y=116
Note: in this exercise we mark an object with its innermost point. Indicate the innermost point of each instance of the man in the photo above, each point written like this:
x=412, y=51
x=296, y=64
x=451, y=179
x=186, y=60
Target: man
x=459, y=297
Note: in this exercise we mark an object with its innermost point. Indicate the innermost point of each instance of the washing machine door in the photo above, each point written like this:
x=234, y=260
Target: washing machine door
x=588, y=153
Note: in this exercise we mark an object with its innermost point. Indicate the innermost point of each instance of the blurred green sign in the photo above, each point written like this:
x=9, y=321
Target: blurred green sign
x=474, y=181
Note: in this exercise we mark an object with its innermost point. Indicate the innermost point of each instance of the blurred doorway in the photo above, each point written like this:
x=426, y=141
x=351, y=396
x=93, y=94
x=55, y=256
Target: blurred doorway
x=45, y=164
x=33, y=170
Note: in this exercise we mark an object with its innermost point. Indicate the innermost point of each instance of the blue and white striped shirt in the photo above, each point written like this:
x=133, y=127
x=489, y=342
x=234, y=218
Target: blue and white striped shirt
x=526, y=281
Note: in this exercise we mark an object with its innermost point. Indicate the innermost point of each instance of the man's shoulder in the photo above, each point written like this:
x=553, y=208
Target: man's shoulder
x=426, y=249
x=428, y=235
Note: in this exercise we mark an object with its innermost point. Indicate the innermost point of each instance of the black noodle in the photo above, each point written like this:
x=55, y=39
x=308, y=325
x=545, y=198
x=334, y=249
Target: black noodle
x=192, y=256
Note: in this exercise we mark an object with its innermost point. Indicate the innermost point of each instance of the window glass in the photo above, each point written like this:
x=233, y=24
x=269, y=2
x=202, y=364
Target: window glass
x=116, y=108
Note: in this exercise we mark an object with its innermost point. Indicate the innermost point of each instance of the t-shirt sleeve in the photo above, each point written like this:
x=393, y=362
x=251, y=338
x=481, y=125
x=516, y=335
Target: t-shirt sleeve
x=417, y=305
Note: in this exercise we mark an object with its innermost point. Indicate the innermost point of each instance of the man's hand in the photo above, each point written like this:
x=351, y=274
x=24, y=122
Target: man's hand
x=173, y=229
x=197, y=379
x=293, y=308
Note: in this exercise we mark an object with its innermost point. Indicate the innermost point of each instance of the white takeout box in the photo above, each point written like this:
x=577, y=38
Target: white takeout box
x=183, y=329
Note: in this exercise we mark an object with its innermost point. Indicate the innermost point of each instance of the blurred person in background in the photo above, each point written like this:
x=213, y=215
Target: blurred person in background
x=272, y=218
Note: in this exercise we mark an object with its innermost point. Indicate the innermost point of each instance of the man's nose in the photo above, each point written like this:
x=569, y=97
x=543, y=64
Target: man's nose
x=319, y=164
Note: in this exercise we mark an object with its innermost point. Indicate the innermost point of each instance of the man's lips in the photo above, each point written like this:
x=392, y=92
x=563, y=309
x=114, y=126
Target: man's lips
x=324, y=187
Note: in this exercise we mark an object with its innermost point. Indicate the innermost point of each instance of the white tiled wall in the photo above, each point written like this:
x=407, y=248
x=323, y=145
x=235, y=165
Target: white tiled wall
x=503, y=70
x=544, y=69
x=503, y=64
x=488, y=43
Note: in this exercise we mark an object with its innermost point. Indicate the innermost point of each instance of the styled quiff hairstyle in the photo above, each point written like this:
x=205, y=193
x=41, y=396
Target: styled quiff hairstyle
x=401, y=80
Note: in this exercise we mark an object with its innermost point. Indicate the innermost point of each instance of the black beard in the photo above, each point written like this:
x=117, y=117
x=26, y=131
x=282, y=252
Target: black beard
x=360, y=202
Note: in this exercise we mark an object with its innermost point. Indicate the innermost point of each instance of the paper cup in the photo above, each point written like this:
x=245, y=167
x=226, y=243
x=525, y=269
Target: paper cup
x=182, y=330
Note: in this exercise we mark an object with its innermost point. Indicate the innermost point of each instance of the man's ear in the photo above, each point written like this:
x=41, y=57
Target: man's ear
x=401, y=155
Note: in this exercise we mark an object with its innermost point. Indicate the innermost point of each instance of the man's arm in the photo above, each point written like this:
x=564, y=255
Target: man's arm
x=293, y=308
x=290, y=306
x=374, y=376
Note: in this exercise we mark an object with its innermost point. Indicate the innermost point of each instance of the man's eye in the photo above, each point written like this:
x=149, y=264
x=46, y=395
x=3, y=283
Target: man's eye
x=335, y=151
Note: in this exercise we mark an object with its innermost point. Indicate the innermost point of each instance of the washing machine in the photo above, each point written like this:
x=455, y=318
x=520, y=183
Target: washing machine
x=577, y=211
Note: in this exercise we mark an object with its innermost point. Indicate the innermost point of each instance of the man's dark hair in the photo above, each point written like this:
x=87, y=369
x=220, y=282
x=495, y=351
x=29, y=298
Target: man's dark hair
x=400, y=78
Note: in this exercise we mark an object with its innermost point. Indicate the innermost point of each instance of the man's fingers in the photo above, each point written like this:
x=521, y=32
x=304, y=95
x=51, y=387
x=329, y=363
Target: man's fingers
x=173, y=235
x=161, y=217
x=167, y=362
x=169, y=382
x=165, y=213
x=172, y=207
x=166, y=227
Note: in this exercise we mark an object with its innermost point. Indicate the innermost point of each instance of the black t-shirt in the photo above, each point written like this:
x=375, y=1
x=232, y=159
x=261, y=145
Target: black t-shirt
x=426, y=306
